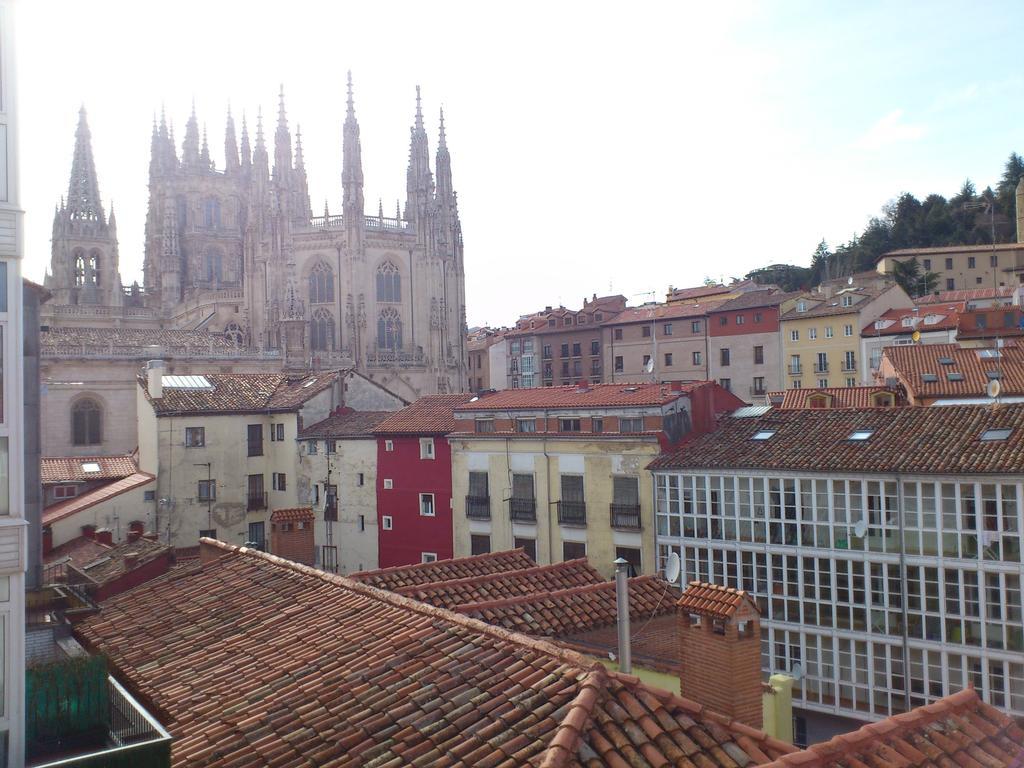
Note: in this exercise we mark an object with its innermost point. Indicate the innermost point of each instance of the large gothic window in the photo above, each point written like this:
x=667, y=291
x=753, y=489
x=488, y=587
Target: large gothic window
x=79, y=268
x=389, y=330
x=321, y=330
x=92, y=274
x=389, y=283
x=321, y=284
x=234, y=334
x=86, y=422
x=211, y=212
x=213, y=265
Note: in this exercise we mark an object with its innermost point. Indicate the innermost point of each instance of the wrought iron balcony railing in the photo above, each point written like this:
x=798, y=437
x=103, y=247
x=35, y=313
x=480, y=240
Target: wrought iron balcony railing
x=625, y=516
x=478, y=507
x=523, y=509
x=572, y=512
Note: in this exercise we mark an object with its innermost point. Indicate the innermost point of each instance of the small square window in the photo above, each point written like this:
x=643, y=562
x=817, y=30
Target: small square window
x=428, y=557
x=207, y=533
x=427, y=505
x=860, y=434
x=596, y=425
x=149, y=495
x=388, y=484
x=195, y=437
x=90, y=466
x=426, y=448
x=646, y=331
x=389, y=446
x=386, y=523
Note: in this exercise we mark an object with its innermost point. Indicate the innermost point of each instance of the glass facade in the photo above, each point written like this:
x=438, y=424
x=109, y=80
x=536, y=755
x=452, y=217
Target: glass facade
x=890, y=593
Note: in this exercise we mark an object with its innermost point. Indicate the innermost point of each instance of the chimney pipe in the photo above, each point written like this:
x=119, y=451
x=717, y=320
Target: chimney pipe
x=622, y=615
x=154, y=379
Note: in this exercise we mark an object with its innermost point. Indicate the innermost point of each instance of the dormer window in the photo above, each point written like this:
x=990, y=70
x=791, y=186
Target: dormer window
x=859, y=435
x=801, y=306
x=847, y=301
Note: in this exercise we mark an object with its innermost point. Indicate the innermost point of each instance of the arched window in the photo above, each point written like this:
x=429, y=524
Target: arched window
x=211, y=212
x=234, y=334
x=213, y=265
x=389, y=283
x=92, y=274
x=389, y=330
x=321, y=330
x=86, y=422
x=79, y=268
x=321, y=284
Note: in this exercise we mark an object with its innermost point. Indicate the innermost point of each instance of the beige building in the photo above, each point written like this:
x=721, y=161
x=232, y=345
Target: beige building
x=821, y=341
x=672, y=338
x=562, y=471
x=223, y=449
x=337, y=477
x=487, y=359
x=963, y=267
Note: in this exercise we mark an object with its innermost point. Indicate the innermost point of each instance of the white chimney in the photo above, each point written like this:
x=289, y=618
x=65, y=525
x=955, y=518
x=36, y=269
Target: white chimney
x=622, y=615
x=154, y=379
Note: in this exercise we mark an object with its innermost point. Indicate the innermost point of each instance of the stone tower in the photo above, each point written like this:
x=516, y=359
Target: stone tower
x=84, y=265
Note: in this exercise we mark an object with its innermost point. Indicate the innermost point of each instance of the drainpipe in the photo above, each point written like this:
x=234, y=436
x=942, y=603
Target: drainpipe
x=622, y=615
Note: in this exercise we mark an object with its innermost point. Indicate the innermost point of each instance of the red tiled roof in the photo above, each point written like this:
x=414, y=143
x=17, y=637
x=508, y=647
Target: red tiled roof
x=241, y=393
x=839, y=397
x=497, y=586
x=935, y=440
x=313, y=668
x=680, y=294
x=651, y=312
x=713, y=600
x=571, y=396
x=952, y=249
x=72, y=336
x=291, y=514
x=970, y=294
x=826, y=307
x=400, y=576
x=912, y=361
x=111, y=564
x=65, y=469
x=431, y=414
x=959, y=730
x=754, y=299
x=943, y=318
x=79, y=503
x=579, y=609
x=347, y=423
x=77, y=551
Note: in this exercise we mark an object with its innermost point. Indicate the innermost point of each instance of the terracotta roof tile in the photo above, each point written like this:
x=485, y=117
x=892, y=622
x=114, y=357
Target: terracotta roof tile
x=914, y=363
x=134, y=337
x=697, y=292
x=345, y=423
x=755, y=299
x=933, y=440
x=504, y=584
x=431, y=414
x=111, y=564
x=574, y=610
x=572, y=396
x=651, y=312
x=713, y=600
x=64, y=469
x=291, y=514
x=820, y=306
x=241, y=393
x=400, y=576
x=958, y=730
x=86, y=500
x=971, y=294
x=935, y=317
x=838, y=397
x=316, y=669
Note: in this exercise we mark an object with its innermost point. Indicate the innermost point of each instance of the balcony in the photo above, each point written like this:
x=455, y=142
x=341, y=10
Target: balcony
x=572, y=512
x=478, y=507
x=523, y=509
x=821, y=367
x=255, y=449
x=758, y=391
x=795, y=370
x=849, y=366
x=626, y=516
x=256, y=501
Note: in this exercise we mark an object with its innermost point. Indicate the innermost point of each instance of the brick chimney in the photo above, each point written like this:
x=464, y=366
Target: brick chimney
x=89, y=531
x=291, y=535
x=720, y=635
x=131, y=560
x=104, y=536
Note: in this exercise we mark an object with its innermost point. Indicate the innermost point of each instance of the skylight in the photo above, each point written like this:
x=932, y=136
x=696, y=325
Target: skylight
x=186, y=382
x=995, y=434
x=861, y=434
x=945, y=361
x=90, y=466
x=929, y=378
x=309, y=383
x=764, y=434
x=984, y=353
x=994, y=374
x=954, y=376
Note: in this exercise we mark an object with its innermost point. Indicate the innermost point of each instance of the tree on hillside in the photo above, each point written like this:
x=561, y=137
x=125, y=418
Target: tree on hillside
x=820, y=264
x=912, y=279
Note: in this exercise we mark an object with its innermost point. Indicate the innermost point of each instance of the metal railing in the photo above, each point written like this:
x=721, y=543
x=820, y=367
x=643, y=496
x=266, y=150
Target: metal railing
x=572, y=512
x=523, y=509
x=821, y=367
x=256, y=501
x=478, y=507
x=849, y=366
x=758, y=391
x=625, y=516
x=795, y=370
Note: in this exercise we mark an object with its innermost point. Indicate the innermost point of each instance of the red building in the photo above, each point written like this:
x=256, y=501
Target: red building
x=414, y=481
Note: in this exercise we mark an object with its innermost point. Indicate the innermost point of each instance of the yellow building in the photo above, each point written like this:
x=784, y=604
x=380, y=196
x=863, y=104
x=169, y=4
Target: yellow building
x=821, y=334
x=562, y=471
x=963, y=267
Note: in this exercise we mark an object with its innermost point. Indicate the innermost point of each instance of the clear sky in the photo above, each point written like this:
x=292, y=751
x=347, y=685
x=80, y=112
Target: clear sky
x=595, y=146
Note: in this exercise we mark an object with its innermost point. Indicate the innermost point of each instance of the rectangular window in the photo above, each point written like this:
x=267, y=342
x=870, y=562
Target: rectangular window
x=426, y=448
x=568, y=425
x=254, y=436
x=256, y=496
x=257, y=535
x=740, y=319
x=207, y=490
x=758, y=355
x=428, y=557
x=949, y=263
x=695, y=326
x=360, y=479
x=529, y=546
x=724, y=353
x=484, y=425
x=970, y=262
x=195, y=437
x=632, y=556
x=646, y=331
x=757, y=317
x=595, y=347
x=330, y=446
x=573, y=550
x=993, y=260
x=3, y=264
x=668, y=358
x=596, y=425
x=647, y=359
x=576, y=351
x=565, y=367
x=758, y=388
x=666, y=329
x=618, y=363
x=389, y=446
x=362, y=523
x=723, y=320
x=207, y=533
x=280, y=432
x=950, y=286
x=279, y=482
x=794, y=335
x=927, y=264
x=565, y=350
x=618, y=334
x=812, y=334
x=273, y=432
x=631, y=424
x=828, y=332
x=697, y=359
x=386, y=523
x=479, y=544
x=526, y=425
x=427, y=504
x=311, y=447
x=847, y=330
x=546, y=352
x=725, y=384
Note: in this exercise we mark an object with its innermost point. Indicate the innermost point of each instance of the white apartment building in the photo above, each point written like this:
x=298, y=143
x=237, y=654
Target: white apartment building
x=883, y=547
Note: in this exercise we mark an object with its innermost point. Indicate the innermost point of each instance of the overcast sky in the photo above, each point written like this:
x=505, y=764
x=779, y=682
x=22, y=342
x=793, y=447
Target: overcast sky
x=595, y=147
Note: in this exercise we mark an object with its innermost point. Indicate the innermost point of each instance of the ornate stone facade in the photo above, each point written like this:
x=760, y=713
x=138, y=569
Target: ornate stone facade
x=236, y=252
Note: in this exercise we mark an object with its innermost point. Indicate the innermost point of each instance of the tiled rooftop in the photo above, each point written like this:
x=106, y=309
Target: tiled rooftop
x=754, y=299
x=933, y=440
x=65, y=469
x=959, y=730
x=575, y=610
x=820, y=306
x=445, y=570
x=133, y=337
x=292, y=514
x=970, y=294
x=345, y=423
x=431, y=414
x=953, y=249
x=241, y=393
x=934, y=317
x=316, y=669
x=713, y=600
x=916, y=365
x=505, y=584
x=111, y=564
x=837, y=397
x=572, y=396
x=650, y=312
x=84, y=501
x=698, y=292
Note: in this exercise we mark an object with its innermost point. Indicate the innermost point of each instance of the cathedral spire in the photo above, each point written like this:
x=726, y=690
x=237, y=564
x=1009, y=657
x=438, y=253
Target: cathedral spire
x=419, y=182
x=230, y=145
x=282, y=142
x=443, y=166
x=260, y=160
x=300, y=164
x=84, y=190
x=204, y=153
x=246, y=151
x=352, y=164
x=190, y=147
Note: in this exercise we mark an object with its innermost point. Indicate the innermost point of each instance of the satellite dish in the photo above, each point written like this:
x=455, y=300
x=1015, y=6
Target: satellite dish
x=860, y=528
x=650, y=366
x=994, y=388
x=916, y=336
x=849, y=280
x=672, y=568
x=796, y=671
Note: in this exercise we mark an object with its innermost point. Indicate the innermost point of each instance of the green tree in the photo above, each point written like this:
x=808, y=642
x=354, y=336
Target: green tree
x=911, y=279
